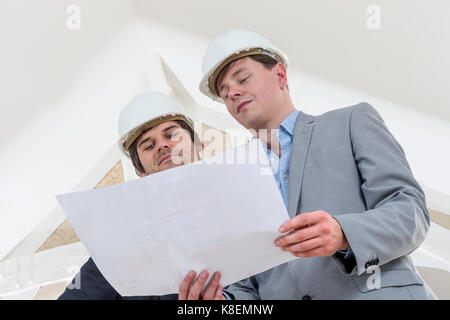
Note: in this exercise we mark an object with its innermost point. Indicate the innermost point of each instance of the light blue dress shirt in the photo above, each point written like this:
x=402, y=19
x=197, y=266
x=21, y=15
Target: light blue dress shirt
x=280, y=166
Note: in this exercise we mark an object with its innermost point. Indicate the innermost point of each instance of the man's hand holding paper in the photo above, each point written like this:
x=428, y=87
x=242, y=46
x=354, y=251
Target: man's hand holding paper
x=146, y=235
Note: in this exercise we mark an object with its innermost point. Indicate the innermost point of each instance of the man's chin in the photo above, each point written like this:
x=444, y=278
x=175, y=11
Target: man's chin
x=179, y=161
x=249, y=119
x=250, y=123
x=168, y=165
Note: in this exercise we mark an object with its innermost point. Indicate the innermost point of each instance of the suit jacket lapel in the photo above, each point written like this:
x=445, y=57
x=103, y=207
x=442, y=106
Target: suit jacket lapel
x=300, y=145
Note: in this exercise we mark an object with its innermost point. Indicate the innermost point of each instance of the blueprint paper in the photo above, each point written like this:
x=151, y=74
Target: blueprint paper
x=145, y=235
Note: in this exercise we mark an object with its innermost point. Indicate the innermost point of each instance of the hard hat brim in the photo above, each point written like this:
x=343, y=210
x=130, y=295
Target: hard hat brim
x=208, y=82
x=127, y=141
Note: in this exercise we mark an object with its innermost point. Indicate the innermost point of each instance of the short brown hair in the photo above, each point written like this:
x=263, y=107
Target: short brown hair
x=132, y=150
x=267, y=61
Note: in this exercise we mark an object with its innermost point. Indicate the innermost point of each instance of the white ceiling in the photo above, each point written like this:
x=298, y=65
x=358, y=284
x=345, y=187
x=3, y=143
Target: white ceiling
x=406, y=61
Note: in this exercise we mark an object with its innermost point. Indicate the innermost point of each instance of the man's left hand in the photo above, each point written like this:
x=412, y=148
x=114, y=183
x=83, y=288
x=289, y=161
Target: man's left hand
x=312, y=234
x=191, y=288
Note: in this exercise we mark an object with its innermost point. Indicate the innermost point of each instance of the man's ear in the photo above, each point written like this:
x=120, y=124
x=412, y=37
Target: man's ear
x=199, y=146
x=281, y=75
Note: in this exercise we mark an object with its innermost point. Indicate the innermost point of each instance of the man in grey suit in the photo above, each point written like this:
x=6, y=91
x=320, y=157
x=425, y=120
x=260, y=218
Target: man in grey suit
x=356, y=210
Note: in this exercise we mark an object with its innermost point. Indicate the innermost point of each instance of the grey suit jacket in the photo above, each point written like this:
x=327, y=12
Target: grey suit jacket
x=347, y=163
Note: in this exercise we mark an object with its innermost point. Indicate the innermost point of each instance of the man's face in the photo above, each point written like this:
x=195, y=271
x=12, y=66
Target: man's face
x=252, y=92
x=165, y=146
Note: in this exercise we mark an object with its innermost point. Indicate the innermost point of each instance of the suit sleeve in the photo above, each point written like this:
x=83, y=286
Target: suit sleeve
x=246, y=289
x=396, y=221
x=89, y=284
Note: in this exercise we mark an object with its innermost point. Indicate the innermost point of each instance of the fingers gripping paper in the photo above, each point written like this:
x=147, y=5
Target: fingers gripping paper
x=146, y=235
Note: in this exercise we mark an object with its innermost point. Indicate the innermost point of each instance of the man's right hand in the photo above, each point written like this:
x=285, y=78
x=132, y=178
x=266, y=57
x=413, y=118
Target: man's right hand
x=191, y=287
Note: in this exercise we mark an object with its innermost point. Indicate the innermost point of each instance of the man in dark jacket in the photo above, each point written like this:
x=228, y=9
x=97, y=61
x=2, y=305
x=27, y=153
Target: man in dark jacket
x=152, y=128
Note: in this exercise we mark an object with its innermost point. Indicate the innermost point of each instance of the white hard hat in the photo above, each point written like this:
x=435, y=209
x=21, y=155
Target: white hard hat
x=146, y=111
x=231, y=46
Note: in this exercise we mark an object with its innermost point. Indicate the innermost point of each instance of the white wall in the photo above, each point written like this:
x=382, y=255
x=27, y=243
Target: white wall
x=64, y=91
x=61, y=94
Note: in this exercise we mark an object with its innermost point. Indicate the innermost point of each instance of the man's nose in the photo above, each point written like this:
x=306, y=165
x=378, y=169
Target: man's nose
x=234, y=91
x=163, y=145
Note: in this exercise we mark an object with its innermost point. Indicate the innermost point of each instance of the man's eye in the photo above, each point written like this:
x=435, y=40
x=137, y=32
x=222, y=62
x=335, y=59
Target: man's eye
x=244, y=80
x=174, y=136
x=149, y=147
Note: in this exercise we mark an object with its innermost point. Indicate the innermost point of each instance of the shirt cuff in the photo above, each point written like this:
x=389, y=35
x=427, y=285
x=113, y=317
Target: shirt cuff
x=227, y=295
x=348, y=253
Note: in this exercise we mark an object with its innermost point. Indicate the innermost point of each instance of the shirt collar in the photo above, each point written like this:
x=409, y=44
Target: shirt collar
x=288, y=123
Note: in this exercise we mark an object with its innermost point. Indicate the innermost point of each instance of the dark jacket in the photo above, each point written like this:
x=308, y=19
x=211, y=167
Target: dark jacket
x=93, y=286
